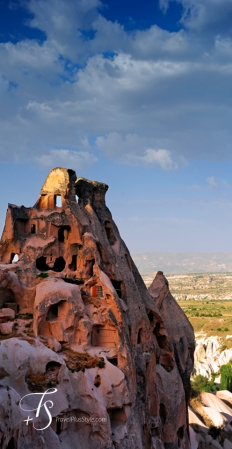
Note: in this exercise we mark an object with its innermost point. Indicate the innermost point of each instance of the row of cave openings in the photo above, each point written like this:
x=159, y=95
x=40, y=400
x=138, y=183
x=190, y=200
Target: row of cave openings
x=164, y=359
x=62, y=234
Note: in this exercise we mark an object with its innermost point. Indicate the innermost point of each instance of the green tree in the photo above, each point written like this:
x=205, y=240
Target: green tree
x=202, y=383
x=226, y=377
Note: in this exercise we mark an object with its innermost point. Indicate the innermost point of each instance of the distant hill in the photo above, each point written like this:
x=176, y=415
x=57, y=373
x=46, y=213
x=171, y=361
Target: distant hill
x=176, y=263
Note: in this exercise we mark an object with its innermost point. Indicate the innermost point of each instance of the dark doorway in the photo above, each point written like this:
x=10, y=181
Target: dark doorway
x=59, y=264
x=139, y=340
x=73, y=265
x=119, y=287
x=52, y=313
x=113, y=361
x=110, y=233
x=41, y=264
x=63, y=233
x=11, y=444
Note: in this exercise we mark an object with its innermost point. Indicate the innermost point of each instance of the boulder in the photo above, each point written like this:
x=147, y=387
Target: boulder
x=6, y=314
x=6, y=328
x=227, y=444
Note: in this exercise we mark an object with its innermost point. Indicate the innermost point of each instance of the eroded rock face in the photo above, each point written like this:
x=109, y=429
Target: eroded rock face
x=120, y=356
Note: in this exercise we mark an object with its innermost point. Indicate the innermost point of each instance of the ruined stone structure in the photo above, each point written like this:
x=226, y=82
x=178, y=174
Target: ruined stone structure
x=119, y=355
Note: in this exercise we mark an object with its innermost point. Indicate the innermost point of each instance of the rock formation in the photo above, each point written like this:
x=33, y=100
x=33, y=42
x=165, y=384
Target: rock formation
x=216, y=411
x=76, y=316
x=210, y=355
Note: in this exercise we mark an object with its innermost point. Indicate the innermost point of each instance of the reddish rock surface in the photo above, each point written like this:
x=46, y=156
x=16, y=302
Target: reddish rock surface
x=119, y=355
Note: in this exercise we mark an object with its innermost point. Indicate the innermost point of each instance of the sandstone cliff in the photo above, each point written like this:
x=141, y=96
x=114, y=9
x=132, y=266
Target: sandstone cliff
x=76, y=316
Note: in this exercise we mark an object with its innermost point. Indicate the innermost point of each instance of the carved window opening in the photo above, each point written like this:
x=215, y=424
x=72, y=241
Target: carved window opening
x=77, y=198
x=119, y=287
x=63, y=233
x=161, y=339
x=11, y=444
x=33, y=229
x=180, y=435
x=117, y=417
x=113, y=361
x=58, y=310
x=6, y=297
x=52, y=313
x=150, y=317
x=41, y=264
x=58, y=427
x=73, y=265
x=110, y=233
x=58, y=201
x=52, y=367
x=14, y=258
x=59, y=265
x=139, y=339
x=163, y=414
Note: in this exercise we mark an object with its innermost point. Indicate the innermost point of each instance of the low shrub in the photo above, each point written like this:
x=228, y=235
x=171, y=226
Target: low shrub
x=202, y=383
x=42, y=275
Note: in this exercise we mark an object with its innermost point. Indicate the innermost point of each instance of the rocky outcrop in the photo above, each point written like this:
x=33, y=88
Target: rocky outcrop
x=209, y=355
x=115, y=358
x=178, y=327
x=217, y=414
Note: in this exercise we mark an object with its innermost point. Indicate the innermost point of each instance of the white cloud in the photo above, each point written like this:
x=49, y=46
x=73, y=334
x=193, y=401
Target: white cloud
x=76, y=160
x=63, y=21
x=129, y=148
x=158, y=90
x=211, y=17
x=159, y=157
x=212, y=183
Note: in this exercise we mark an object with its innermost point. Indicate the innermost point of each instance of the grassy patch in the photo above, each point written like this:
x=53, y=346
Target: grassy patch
x=41, y=382
x=25, y=316
x=42, y=275
x=77, y=361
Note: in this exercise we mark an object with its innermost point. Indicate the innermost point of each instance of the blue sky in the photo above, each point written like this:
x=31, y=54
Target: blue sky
x=136, y=94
